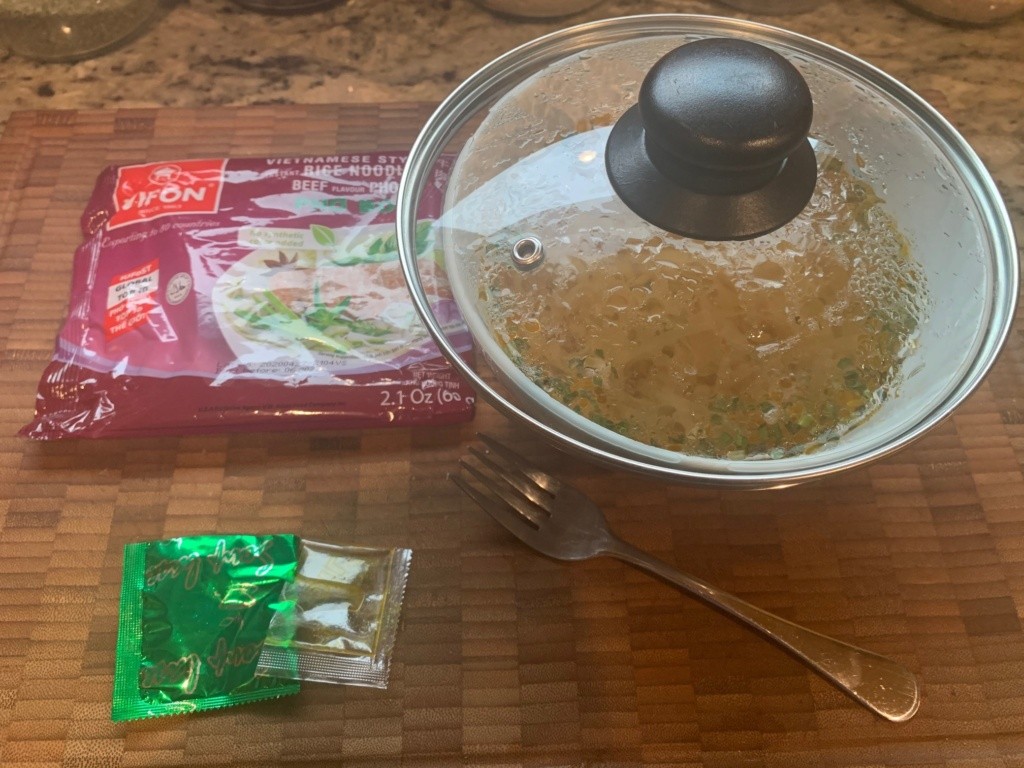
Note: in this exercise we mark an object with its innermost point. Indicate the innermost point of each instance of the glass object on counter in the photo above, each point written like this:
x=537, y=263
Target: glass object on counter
x=71, y=30
x=774, y=7
x=976, y=12
x=286, y=6
x=537, y=9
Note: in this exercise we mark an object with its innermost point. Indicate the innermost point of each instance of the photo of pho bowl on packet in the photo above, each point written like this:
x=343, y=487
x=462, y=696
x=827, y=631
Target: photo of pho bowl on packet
x=341, y=308
x=672, y=272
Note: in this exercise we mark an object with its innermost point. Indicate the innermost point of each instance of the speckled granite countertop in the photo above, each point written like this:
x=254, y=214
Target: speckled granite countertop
x=214, y=52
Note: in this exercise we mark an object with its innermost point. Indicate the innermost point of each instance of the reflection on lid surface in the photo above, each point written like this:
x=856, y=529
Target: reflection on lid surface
x=765, y=348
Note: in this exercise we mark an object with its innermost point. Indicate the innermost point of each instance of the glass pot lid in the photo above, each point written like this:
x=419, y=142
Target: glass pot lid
x=710, y=250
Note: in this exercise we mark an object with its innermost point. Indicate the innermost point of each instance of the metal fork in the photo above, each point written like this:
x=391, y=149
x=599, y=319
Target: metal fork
x=559, y=521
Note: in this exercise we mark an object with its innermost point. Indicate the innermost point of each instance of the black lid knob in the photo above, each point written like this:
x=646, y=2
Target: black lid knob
x=717, y=146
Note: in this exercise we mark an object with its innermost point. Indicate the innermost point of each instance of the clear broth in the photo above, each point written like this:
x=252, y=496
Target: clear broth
x=761, y=349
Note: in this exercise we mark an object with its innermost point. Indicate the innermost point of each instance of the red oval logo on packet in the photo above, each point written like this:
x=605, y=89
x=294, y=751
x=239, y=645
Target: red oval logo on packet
x=145, y=192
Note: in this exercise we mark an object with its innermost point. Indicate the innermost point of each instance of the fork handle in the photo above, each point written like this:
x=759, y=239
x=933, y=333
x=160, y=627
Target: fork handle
x=882, y=685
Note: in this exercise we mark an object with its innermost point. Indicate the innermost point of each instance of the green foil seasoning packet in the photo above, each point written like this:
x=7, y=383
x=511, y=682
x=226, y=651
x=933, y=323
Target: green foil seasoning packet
x=345, y=605
x=194, y=616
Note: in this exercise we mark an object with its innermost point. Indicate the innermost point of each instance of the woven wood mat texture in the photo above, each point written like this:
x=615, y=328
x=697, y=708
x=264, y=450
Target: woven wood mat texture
x=503, y=657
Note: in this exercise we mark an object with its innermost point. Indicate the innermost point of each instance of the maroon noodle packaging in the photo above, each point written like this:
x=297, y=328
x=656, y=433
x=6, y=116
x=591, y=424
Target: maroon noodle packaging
x=236, y=294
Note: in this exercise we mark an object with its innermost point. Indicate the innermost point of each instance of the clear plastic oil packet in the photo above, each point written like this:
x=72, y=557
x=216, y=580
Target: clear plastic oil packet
x=341, y=628
x=193, y=618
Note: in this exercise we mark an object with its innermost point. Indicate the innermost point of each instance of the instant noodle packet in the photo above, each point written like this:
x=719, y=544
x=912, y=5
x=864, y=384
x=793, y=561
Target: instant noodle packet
x=243, y=294
x=194, y=616
x=345, y=608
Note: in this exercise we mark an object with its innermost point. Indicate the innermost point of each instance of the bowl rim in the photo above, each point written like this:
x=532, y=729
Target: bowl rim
x=497, y=77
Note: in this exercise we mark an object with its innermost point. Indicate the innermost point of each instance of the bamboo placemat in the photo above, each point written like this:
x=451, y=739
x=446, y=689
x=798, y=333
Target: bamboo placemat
x=503, y=657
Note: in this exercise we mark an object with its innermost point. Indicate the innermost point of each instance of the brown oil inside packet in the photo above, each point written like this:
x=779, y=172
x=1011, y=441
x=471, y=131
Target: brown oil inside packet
x=342, y=625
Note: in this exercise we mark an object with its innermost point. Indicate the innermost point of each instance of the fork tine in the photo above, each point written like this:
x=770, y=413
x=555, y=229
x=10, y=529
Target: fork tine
x=507, y=517
x=522, y=506
x=542, y=479
x=472, y=492
x=519, y=482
